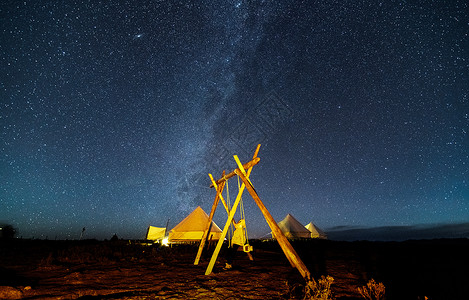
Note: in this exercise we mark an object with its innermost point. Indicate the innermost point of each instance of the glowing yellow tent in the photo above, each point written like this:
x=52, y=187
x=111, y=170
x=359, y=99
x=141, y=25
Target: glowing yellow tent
x=315, y=231
x=192, y=228
x=155, y=233
x=291, y=228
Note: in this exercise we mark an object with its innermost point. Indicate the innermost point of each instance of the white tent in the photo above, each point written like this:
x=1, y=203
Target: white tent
x=315, y=231
x=155, y=233
x=192, y=228
x=291, y=228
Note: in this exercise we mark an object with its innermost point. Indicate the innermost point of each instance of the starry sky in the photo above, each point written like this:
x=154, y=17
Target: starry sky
x=114, y=112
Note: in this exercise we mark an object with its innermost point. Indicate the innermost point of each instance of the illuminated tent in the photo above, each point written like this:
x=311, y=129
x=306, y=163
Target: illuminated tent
x=291, y=228
x=315, y=231
x=155, y=233
x=192, y=228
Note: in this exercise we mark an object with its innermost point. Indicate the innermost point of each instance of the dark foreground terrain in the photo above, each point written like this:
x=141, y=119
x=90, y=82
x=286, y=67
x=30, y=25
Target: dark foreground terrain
x=33, y=269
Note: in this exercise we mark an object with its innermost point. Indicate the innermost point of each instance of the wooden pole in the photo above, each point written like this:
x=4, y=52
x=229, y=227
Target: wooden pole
x=209, y=223
x=287, y=248
x=220, y=195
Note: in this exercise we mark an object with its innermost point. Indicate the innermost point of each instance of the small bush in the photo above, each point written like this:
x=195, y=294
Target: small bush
x=47, y=261
x=7, y=231
x=372, y=290
x=320, y=290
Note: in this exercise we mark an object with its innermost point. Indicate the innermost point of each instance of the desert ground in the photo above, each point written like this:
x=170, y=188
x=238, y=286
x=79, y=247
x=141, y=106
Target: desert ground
x=90, y=269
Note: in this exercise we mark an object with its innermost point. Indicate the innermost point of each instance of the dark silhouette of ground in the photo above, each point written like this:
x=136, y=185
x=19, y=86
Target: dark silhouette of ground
x=33, y=269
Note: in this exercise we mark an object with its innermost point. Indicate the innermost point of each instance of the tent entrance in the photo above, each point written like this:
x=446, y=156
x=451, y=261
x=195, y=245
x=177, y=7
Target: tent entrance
x=243, y=172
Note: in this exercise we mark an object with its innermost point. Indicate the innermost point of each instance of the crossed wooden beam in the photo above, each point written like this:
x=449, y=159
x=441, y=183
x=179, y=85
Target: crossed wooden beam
x=243, y=172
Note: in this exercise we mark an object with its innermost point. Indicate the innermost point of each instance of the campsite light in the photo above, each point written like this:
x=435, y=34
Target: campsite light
x=165, y=241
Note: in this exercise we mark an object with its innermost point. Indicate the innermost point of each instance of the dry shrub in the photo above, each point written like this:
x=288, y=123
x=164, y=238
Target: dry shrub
x=372, y=290
x=47, y=261
x=320, y=290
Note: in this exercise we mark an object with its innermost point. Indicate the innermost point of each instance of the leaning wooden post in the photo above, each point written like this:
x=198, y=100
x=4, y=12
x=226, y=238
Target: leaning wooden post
x=287, y=248
x=209, y=222
x=220, y=191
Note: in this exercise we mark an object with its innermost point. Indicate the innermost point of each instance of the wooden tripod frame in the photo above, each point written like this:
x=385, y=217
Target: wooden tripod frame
x=219, y=184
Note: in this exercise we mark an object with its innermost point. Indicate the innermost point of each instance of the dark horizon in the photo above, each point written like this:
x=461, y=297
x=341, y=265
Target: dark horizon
x=338, y=233
x=400, y=233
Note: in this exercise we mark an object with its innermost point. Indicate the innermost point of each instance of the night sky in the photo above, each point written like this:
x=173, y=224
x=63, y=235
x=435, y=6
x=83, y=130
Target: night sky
x=114, y=112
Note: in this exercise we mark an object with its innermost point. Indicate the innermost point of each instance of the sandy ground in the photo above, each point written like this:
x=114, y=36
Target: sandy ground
x=119, y=270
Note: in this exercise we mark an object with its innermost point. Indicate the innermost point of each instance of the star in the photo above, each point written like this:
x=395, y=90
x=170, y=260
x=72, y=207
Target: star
x=138, y=36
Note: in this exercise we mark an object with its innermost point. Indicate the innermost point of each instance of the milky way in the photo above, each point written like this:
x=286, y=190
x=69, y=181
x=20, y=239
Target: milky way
x=113, y=113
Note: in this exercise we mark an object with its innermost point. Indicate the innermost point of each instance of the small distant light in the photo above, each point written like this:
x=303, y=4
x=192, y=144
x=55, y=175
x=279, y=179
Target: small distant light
x=138, y=36
x=165, y=242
